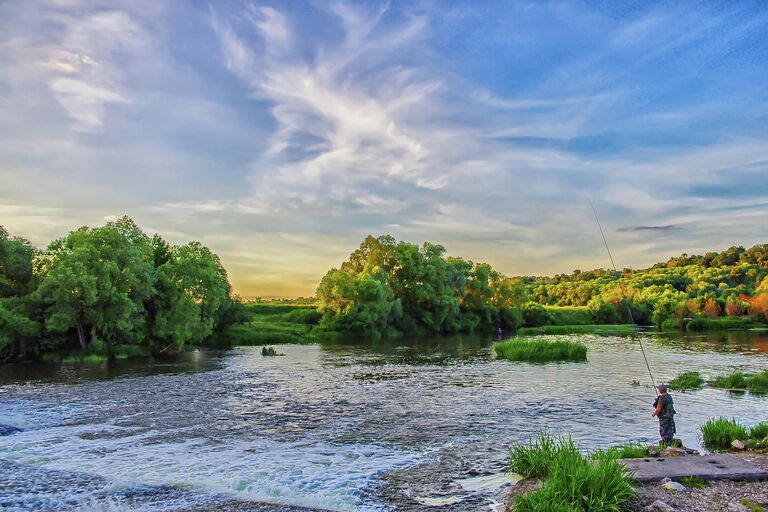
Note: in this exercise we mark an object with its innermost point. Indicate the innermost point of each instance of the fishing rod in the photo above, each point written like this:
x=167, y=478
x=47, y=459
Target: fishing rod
x=629, y=309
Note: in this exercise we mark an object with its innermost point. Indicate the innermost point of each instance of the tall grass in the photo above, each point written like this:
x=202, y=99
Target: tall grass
x=540, y=351
x=572, y=482
x=759, y=432
x=719, y=433
x=687, y=380
x=623, y=451
x=757, y=382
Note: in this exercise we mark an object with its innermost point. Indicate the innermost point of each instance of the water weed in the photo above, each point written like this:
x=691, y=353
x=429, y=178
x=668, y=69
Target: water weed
x=540, y=351
x=270, y=351
x=755, y=382
x=687, y=381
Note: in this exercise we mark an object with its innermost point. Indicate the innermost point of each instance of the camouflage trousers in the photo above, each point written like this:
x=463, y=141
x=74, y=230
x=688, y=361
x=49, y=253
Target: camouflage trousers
x=667, y=429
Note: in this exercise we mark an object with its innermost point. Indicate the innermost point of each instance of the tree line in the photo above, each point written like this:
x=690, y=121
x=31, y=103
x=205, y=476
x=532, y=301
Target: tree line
x=110, y=285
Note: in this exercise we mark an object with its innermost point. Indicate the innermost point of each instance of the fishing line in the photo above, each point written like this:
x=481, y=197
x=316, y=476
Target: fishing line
x=629, y=309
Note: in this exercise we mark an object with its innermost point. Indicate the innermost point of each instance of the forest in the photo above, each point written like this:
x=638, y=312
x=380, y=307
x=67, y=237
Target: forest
x=114, y=291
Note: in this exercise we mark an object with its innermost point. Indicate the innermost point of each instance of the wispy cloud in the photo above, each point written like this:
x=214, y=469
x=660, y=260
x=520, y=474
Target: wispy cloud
x=281, y=136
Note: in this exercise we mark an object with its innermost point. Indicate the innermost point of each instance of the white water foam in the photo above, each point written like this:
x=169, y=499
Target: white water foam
x=306, y=472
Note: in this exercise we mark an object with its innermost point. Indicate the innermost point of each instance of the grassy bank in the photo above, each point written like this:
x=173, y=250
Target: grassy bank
x=571, y=481
x=273, y=323
x=579, y=329
x=97, y=352
x=540, y=351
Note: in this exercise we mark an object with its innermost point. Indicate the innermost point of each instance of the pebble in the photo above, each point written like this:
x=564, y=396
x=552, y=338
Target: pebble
x=659, y=506
x=738, y=445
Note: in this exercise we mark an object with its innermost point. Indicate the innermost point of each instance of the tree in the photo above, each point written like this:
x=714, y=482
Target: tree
x=711, y=309
x=192, y=287
x=96, y=280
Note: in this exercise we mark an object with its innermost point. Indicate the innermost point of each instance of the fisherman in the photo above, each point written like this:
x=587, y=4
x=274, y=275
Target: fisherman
x=500, y=333
x=665, y=411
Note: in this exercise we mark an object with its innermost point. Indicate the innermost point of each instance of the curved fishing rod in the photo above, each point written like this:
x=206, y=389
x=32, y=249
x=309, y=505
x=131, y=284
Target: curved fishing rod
x=629, y=309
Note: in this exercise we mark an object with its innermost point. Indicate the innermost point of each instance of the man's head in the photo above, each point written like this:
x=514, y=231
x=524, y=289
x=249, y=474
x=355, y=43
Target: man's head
x=662, y=388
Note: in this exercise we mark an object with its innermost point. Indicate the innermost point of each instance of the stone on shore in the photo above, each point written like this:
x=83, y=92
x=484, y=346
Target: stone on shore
x=673, y=486
x=673, y=452
x=738, y=445
x=659, y=506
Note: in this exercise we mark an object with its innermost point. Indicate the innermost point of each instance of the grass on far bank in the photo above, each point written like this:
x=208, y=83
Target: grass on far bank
x=571, y=481
x=540, y=351
x=98, y=352
x=579, y=329
x=687, y=381
x=739, y=381
x=273, y=323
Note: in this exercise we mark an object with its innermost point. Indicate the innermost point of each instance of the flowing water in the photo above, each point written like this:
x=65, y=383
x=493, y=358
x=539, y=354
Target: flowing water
x=421, y=425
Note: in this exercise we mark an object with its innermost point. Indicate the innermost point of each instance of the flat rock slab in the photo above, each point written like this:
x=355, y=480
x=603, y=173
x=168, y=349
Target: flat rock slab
x=706, y=467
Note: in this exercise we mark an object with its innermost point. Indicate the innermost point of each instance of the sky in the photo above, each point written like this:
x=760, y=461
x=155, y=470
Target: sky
x=280, y=134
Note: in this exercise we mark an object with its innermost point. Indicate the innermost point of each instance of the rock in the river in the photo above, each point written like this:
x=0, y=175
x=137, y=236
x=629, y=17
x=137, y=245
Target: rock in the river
x=673, y=452
x=738, y=445
x=659, y=506
x=674, y=487
x=6, y=430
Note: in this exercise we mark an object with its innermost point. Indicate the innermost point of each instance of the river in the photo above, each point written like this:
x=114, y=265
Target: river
x=407, y=425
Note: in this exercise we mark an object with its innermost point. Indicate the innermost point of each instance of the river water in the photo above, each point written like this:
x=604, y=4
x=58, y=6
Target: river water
x=407, y=425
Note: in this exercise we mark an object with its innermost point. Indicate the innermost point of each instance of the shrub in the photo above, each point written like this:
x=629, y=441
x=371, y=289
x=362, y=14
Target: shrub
x=721, y=432
x=535, y=315
x=570, y=315
x=687, y=380
x=270, y=351
x=540, y=350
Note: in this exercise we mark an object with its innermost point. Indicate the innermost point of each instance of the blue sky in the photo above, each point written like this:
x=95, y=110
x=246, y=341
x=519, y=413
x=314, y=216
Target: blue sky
x=281, y=133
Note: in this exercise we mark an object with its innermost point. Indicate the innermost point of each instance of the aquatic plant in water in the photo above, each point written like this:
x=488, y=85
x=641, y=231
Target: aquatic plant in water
x=756, y=382
x=270, y=351
x=687, y=381
x=540, y=351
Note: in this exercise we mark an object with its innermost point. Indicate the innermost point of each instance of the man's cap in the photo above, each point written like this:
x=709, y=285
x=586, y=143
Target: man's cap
x=662, y=387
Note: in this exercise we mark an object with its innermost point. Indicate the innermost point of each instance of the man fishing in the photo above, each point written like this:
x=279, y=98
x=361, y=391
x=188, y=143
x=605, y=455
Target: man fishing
x=665, y=411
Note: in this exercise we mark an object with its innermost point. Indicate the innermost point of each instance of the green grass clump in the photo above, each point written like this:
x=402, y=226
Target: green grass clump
x=270, y=351
x=694, y=482
x=718, y=324
x=756, y=382
x=719, y=433
x=751, y=505
x=759, y=432
x=540, y=351
x=579, y=329
x=687, y=380
x=572, y=482
x=623, y=451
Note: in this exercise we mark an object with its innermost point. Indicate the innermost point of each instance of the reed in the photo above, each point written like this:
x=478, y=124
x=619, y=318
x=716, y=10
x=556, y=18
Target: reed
x=687, y=381
x=719, y=433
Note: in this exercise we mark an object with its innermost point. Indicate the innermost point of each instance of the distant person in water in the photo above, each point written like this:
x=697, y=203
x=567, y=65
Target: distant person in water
x=500, y=332
x=665, y=411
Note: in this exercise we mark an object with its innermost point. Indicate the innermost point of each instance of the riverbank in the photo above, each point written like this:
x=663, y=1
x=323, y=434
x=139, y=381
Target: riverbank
x=717, y=496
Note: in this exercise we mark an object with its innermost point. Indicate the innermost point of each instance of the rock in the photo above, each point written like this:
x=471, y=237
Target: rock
x=6, y=430
x=691, y=451
x=674, y=487
x=665, y=480
x=738, y=445
x=659, y=506
x=673, y=452
x=735, y=506
x=653, y=453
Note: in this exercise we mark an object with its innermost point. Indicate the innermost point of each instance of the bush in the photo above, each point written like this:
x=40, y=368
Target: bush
x=540, y=350
x=687, y=380
x=570, y=315
x=721, y=432
x=573, y=482
x=270, y=351
x=535, y=315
